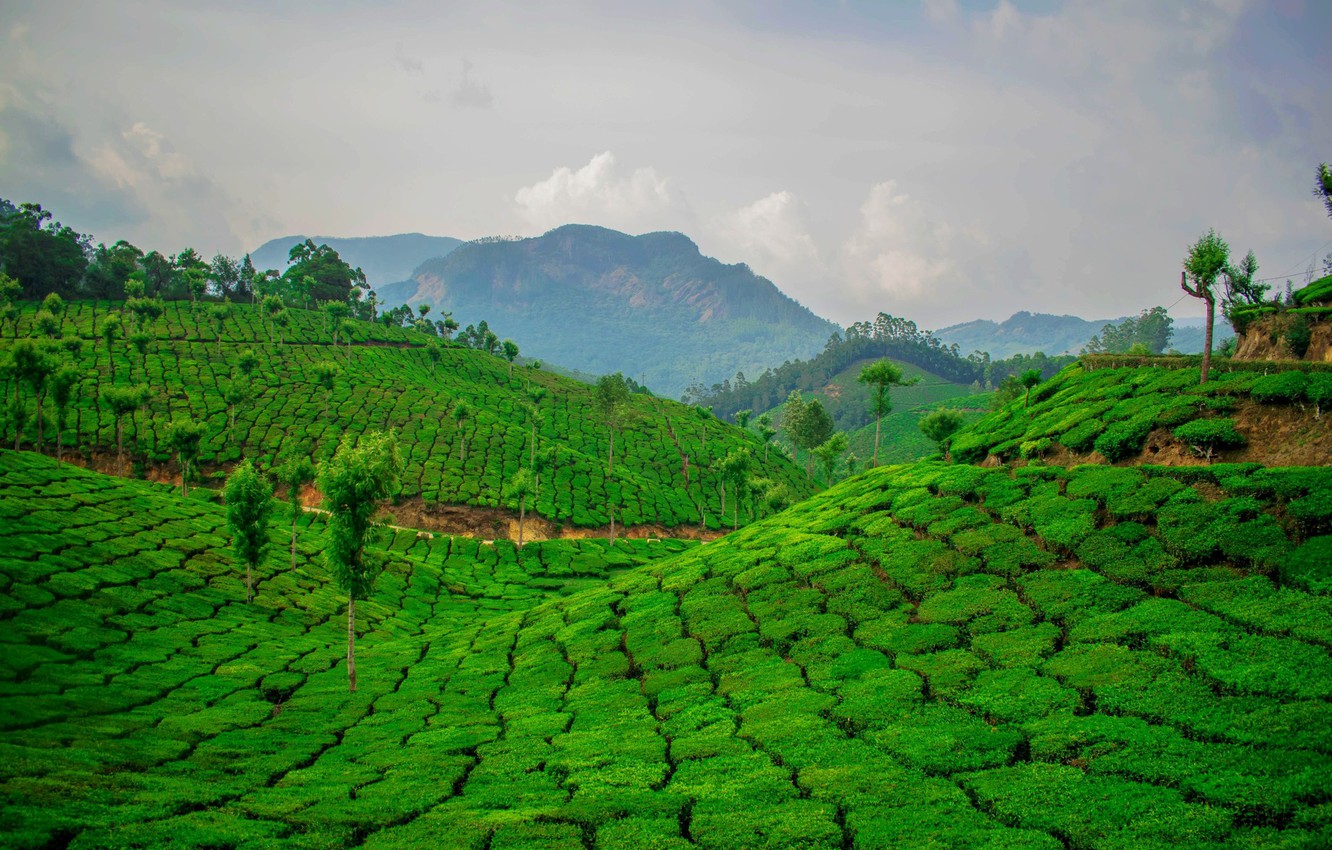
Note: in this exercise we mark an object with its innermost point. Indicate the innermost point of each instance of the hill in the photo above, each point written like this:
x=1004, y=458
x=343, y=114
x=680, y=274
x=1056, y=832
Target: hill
x=1153, y=410
x=927, y=655
x=600, y=301
x=387, y=377
x=1027, y=333
x=384, y=259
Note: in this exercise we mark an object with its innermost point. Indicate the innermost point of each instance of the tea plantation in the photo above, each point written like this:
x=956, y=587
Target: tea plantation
x=388, y=377
x=932, y=655
x=1110, y=410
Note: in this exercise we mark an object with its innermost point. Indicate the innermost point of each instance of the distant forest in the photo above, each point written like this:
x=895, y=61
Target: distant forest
x=887, y=336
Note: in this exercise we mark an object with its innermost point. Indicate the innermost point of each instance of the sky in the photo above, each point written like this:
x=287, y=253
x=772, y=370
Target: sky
x=941, y=160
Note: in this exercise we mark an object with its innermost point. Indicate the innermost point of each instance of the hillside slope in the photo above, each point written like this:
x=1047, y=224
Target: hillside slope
x=1100, y=410
x=601, y=301
x=384, y=259
x=924, y=656
x=1027, y=333
x=388, y=380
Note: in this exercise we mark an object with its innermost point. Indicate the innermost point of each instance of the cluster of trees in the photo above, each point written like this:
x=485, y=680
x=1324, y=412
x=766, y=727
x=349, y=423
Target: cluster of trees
x=1148, y=333
x=1209, y=275
x=355, y=482
x=46, y=257
x=886, y=337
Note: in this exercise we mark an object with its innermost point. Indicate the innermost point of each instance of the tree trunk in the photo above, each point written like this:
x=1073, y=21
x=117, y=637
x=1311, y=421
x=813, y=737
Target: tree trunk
x=612, y=451
x=612, y=526
x=522, y=516
x=120, y=442
x=532, y=462
x=294, y=509
x=41, y=421
x=877, y=419
x=736, y=526
x=184, y=478
x=249, y=583
x=351, y=643
x=1207, y=341
x=60, y=443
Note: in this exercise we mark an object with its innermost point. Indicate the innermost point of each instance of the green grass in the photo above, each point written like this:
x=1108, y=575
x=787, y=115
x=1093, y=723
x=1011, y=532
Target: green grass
x=923, y=656
x=387, y=380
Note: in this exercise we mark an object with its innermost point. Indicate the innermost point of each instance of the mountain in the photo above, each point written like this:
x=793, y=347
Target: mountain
x=1027, y=333
x=384, y=259
x=1023, y=332
x=600, y=301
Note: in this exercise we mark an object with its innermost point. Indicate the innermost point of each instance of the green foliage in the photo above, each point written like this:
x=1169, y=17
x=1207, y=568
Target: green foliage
x=940, y=426
x=1208, y=435
x=1282, y=387
x=1122, y=440
x=1151, y=331
x=355, y=481
x=249, y=499
x=1317, y=291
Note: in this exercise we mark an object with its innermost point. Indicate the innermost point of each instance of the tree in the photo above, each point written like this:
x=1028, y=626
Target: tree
x=233, y=393
x=533, y=410
x=123, y=401
x=1029, y=379
x=184, y=437
x=334, y=313
x=219, y=313
x=742, y=418
x=33, y=365
x=435, y=353
x=520, y=487
x=510, y=349
x=829, y=452
x=940, y=426
x=611, y=398
x=1152, y=330
x=1207, y=259
x=63, y=383
x=1323, y=186
x=766, y=433
x=462, y=411
x=807, y=425
x=272, y=305
x=139, y=340
x=331, y=279
x=294, y=475
x=735, y=472
x=355, y=481
x=881, y=376
x=249, y=502
x=247, y=361
x=111, y=329
x=326, y=372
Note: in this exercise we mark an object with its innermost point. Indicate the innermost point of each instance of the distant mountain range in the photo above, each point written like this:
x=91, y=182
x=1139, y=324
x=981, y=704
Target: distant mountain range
x=384, y=259
x=597, y=300
x=1027, y=333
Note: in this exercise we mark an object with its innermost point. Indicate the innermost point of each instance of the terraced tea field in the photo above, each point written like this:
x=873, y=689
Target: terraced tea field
x=388, y=378
x=923, y=656
x=1091, y=411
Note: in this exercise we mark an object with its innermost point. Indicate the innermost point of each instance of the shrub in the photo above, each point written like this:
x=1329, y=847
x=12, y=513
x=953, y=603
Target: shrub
x=1122, y=440
x=1081, y=437
x=1298, y=336
x=1282, y=387
x=1207, y=435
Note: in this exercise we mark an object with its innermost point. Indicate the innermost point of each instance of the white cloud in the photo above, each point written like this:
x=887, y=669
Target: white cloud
x=941, y=11
x=772, y=236
x=598, y=193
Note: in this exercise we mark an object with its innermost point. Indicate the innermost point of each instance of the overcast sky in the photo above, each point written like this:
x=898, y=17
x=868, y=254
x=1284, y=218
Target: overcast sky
x=942, y=161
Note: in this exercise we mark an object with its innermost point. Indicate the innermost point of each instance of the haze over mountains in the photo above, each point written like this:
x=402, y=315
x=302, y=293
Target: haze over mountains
x=596, y=300
x=599, y=301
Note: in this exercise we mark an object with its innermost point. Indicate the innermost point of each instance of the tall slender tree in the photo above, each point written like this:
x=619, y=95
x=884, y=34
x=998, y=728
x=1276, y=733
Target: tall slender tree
x=249, y=502
x=355, y=481
x=612, y=402
x=520, y=487
x=294, y=474
x=1207, y=259
x=63, y=384
x=882, y=376
x=185, y=437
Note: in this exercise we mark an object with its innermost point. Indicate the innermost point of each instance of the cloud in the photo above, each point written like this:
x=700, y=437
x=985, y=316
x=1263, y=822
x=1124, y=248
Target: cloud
x=598, y=193
x=898, y=253
x=773, y=236
x=941, y=11
x=470, y=93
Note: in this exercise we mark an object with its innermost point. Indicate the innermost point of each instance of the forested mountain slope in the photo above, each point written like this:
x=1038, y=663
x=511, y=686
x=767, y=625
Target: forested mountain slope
x=466, y=421
x=599, y=301
x=923, y=656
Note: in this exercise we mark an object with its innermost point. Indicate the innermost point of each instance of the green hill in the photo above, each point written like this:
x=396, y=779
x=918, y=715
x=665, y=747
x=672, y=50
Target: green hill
x=1115, y=408
x=388, y=380
x=923, y=656
x=599, y=301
